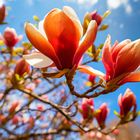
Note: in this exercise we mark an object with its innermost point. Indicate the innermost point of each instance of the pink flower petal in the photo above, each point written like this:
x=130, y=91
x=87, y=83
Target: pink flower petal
x=107, y=58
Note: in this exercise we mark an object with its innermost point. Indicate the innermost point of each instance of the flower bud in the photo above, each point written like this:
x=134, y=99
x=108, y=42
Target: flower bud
x=2, y=119
x=95, y=16
x=102, y=115
x=10, y=37
x=92, y=78
x=40, y=107
x=127, y=102
x=22, y=67
x=2, y=13
x=15, y=120
x=91, y=16
x=116, y=132
x=87, y=109
x=31, y=123
x=13, y=107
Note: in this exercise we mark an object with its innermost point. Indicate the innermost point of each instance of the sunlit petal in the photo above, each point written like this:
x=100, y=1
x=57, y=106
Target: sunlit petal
x=38, y=60
x=71, y=14
x=86, y=41
x=41, y=28
x=107, y=58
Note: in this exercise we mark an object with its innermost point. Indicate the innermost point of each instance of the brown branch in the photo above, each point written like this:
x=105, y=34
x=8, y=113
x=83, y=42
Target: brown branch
x=51, y=132
x=84, y=95
x=55, y=106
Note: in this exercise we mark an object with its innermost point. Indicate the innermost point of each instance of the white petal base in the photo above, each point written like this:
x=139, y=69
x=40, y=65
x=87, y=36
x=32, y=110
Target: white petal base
x=38, y=60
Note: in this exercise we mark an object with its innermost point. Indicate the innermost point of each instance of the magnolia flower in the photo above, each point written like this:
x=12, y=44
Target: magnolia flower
x=122, y=61
x=22, y=67
x=58, y=39
x=10, y=37
x=102, y=115
x=87, y=109
x=127, y=102
x=2, y=13
x=15, y=120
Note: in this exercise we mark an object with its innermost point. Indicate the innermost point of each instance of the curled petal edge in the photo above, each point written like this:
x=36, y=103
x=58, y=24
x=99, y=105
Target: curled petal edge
x=89, y=70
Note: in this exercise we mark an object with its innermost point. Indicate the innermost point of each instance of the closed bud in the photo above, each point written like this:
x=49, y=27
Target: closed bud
x=92, y=78
x=13, y=107
x=95, y=16
x=116, y=132
x=127, y=102
x=2, y=119
x=10, y=37
x=15, y=120
x=102, y=115
x=91, y=16
x=87, y=109
x=22, y=67
x=40, y=107
x=2, y=13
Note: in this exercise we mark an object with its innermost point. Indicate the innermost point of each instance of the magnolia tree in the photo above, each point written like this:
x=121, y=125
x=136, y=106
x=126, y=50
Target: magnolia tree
x=43, y=94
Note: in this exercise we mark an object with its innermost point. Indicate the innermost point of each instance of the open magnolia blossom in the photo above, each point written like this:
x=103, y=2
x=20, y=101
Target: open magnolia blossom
x=121, y=61
x=58, y=39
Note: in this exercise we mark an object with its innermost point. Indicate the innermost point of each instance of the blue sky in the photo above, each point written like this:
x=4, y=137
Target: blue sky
x=124, y=22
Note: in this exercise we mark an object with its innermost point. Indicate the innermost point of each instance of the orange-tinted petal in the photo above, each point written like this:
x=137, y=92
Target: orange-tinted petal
x=128, y=58
x=117, y=48
x=132, y=77
x=63, y=34
x=86, y=41
x=41, y=43
x=38, y=60
x=73, y=16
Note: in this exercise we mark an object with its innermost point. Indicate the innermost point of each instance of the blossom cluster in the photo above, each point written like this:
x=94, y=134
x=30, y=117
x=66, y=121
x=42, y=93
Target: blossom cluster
x=45, y=104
